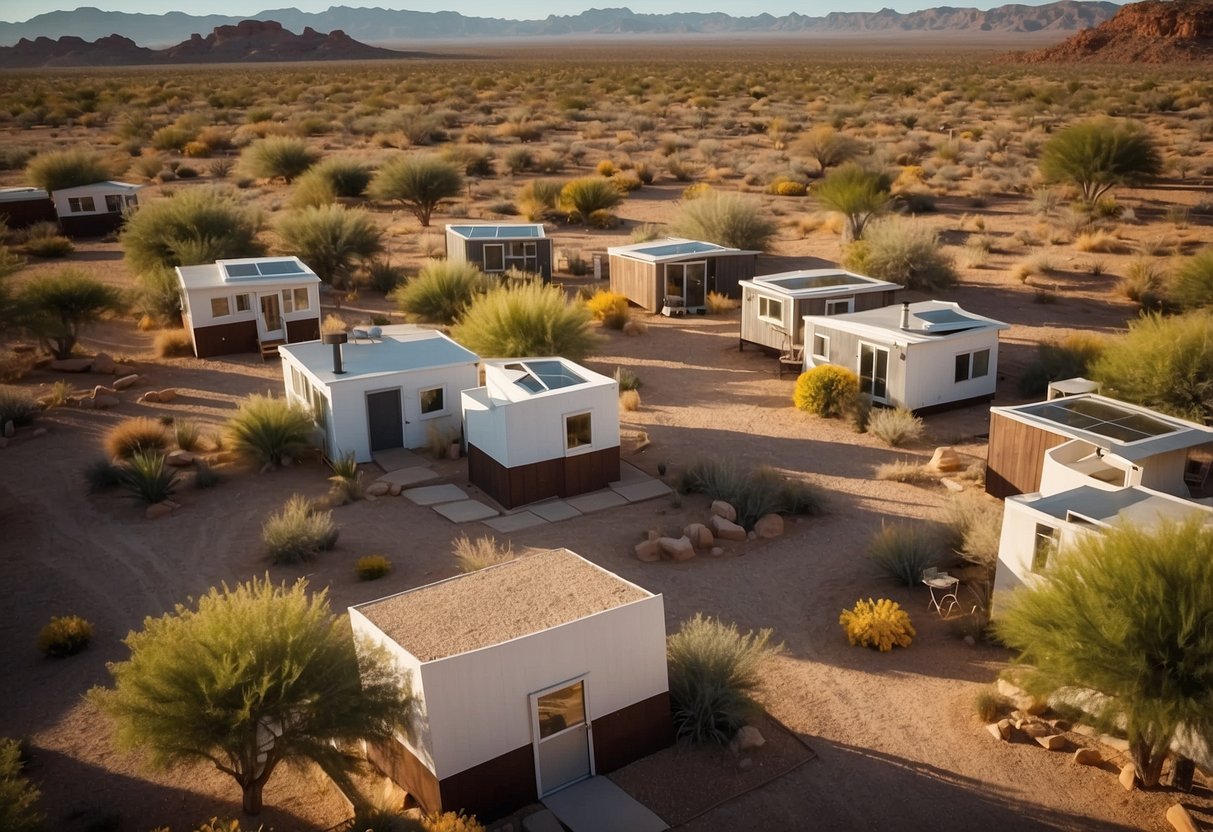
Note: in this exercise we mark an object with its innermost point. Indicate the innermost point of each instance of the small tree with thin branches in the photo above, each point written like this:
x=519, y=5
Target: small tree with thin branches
x=1098, y=155
x=57, y=308
x=859, y=194
x=420, y=183
x=331, y=239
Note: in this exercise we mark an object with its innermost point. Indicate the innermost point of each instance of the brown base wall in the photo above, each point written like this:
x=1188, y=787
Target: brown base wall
x=307, y=329
x=91, y=225
x=560, y=477
x=25, y=214
x=225, y=339
x=939, y=408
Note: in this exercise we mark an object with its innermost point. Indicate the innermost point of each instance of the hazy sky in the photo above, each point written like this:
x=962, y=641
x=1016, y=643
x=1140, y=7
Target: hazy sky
x=19, y=10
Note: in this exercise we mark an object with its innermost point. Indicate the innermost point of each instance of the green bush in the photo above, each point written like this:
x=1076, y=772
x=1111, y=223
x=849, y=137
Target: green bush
x=581, y=198
x=65, y=636
x=157, y=295
x=441, y=291
x=902, y=551
x=474, y=555
x=855, y=192
x=298, y=532
x=49, y=245
x=205, y=476
x=990, y=705
x=187, y=435
x=268, y=431
x=277, y=156
x=346, y=481
x=518, y=321
x=372, y=567
x=1192, y=286
x=133, y=436
x=420, y=183
x=17, y=405
x=59, y=169
x=902, y=251
x=829, y=391
x=310, y=191
x=58, y=307
x=348, y=177
x=1099, y=154
x=714, y=671
x=383, y=276
x=894, y=426
x=331, y=239
x=752, y=491
x=102, y=475
x=19, y=810
x=726, y=219
x=148, y=477
x=1071, y=357
x=196, y=225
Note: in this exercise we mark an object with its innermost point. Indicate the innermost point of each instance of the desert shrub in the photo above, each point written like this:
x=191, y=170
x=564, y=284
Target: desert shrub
x=645, y=232
x=714, y=670
x=385, y=820
x=990, y=705
x=534, y=319
x=902, y=251
x=10, y=263
x=472, y=555
x=132, y=436
x=827, y=146
x=420, y=183
x=974, y=524
x=1192, y=285
x=828, y=391
x=1145, y=283
x=267, y=431
x=902, y=471
x=602, y=219
x=331, y=239
x=346, y=480
x=347, y=177
x=298, y=532
x=65, y=636
x=441, y=291
x=220, y=168
x=59, y=394
x=372, y=567
x=580, y=199
x=752, y=491
x=855, y=192
x=59, y=169
x=205, y=476
x=1070, y=357
x=157, y=296
x=148, y=477
x=726, y=219
x=1165, y=363
x=518, y=159
x=310, y=191
x=901, y=551
x=453, y=822
x=197, y=225
x=172, y=343
x=48, y=245
x=60, y=306
x=19, y=810
x=1099, y=154
x=102, y=475
x=538, y=198
x=14, y=365
x=894, y=426
x=17, y=405
x=277, y=156
x=718, y=304
x=383, y=276
x=609, y=307
x=187, y=435
x=627, y=379
x=881, y=624
x=629, y=400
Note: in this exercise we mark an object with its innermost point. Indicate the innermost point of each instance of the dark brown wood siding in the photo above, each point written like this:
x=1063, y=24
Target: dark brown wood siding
x=226, y=339
x=870, y=300
x=406, y=771
x=307, y=329
x=91, y=225
x=560, y=477
x=493, y=789
x=632, y=732
x=1015, y=456
x=724, y=271
x=473, y=252
x=27, y=212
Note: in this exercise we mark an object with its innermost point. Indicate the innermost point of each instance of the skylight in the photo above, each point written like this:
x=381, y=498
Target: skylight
x=538, y=376
x=672, y=249
x=1102, y=418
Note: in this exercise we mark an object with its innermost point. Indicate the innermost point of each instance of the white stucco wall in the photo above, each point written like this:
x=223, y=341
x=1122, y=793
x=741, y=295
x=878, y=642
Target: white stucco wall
x=517, y=433
x=197, y=302
x=928, y=373
x=1017, y=546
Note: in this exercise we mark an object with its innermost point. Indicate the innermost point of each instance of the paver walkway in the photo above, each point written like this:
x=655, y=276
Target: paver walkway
x=598, y=805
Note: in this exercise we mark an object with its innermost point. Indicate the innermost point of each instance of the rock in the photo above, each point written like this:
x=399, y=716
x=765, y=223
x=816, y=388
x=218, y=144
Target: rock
x=1000, y=730
x=150, y=397
x=700, y=535
x=1062, y=725
x=722, y=509
x=1115, y=743
x=1020, y=698
x=745, y=764
x=84, y=404
x=125, y=382
x=103, y=363
x=157, y=510
x=1085, y=730
x=944, y=460
x=653, y=534
x=1036, y=730
x=39, y=432
x=1180, y=819
x=122, y=370
x=102, y=390
x=951, y=484
x=71, y=365
x=394, y=489
x=751, y=535
x=106, y=402
x=970, y=641
x=10, y=429
x=180, y=459
x=1128, y=777
x=679, y=548
x=168, y=394
x=749, y=737
x=648, y=551
x=769, y=526
x=172, y=504
x=716, y=552
x=1087, y=757
x=1053, y=742
x=725, y=529
x=378, y=489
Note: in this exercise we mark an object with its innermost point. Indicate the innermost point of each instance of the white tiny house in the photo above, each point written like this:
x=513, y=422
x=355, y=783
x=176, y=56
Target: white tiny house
x=95, y=210
x=530, y=675
x=774, y=306
x=921, y=356
x=376, y=393
x=540, y=428
x=249, y=304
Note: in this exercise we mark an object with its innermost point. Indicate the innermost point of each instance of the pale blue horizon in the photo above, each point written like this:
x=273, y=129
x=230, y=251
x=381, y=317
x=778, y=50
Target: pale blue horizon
x=17, y=11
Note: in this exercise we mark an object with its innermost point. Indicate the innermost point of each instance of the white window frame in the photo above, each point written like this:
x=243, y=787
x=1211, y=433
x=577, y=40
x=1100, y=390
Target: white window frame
x=288, y=303
x=848, y=306
x=484, y=257
x=433, y=414
x=764, y=309
x=243, y=302
x=301, y=293
x=81, y=205
x=1046, y=540
x=824, y=356
x=564, y=423
x=970, y=356
x=227, y=306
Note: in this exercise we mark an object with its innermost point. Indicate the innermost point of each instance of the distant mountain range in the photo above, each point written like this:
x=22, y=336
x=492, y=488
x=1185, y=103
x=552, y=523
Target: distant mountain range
x=1153, y=32
x=386, y=26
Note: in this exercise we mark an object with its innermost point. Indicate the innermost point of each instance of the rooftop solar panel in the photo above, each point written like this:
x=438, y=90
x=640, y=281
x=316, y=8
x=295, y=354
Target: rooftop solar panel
x=672, y=249
x=270, y=268
x=491, y=232
x=241, y=269
x=1102, y=418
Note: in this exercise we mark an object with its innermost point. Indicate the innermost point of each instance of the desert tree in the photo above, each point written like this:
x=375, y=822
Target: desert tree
x=1124, y=615
x=59, y=169
x=1098, y=155
x=904, y=251
x=1192, y=286
x=331, y=240
x=726, y=219
x=59, y=307
x=199, y=225
x=1162, y=362
x=420, y=183
x=277, y=157
x=525, y=319
x=249, y=677
x=826, y=146
x=856, y=192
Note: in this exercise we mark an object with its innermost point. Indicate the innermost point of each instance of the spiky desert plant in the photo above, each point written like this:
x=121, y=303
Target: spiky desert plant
x=59, y=307
x=754, y=491
x=419, y=183
x=522, y=320
x=902, y=550
x=331, y=239
x=1100, y=154
x=298, y=532
x=855, y=192
x=580, y=199
x=277, y=157
x=17, y=405
x=148, y=477
x=903, y=251
x=441, y=291
x=727, y=219
x=267, y=431
x=59, y=169
x=894, y=426
x=198, y=225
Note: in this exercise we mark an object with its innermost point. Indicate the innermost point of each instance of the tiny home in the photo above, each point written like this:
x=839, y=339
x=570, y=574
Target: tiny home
x=540, y=428
x=774, y=306
x=23, y=207
x=1055, y=445
x=95, y=210
x=677, y=274
x=920, y=356
x=249, y=304
x=497, y=248
x=530, y=676
x=381, y=390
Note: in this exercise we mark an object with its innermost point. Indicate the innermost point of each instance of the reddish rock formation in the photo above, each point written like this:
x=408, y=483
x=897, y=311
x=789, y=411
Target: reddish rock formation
x=1153, y=32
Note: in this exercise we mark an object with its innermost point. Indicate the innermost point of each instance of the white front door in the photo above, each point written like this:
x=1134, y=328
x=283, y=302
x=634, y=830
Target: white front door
x=874, y=372
x=269, y=320
x=561, y=735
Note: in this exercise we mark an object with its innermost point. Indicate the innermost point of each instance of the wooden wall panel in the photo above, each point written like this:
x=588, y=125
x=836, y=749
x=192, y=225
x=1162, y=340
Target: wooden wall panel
x=91, y=225
x=638, y=281
x=494, y=788
x=307, y=329
x=729, y=269
x=1015, y=456
x=559, y=477
x=226, y=339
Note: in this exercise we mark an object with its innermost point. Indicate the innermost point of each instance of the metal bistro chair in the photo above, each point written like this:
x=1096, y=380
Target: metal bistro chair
x=942, y=587
x=791, y=356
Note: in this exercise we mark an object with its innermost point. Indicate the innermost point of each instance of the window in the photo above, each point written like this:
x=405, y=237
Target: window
x=770, y=309
x=131, y=201
x=821, y=346
x=81, y=204
x=220, y=307
x=577, y=432
x=494, y=258
x=1045, y=546
x=287, y=305
x=302, y=304
x=839, y=306
x=873, y=371
x=242, y=303
x=523, y=256
x=433, y=400
x=319, y=407
x=113, y=203
x=970, y=365
x=297, y=383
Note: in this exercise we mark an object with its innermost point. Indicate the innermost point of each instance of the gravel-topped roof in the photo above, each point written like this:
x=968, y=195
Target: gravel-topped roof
x=527, y=595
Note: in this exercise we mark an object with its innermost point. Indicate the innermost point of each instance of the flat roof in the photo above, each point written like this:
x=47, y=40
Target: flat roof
x=815, y=282
x=930, y=320
x=387, y=355
x=522, y=378
x=499, y=231
x=1134, y=505
x=673, y=248
x=527, y=595
x=1130, y=431
x=237, y=272
x=107, y=185
x=21, y=194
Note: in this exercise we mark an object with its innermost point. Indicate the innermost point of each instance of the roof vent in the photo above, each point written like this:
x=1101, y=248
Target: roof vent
x=905, y=316
x=336, y=339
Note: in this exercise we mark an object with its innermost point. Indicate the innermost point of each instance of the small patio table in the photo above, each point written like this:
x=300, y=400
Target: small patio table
x=943, y=591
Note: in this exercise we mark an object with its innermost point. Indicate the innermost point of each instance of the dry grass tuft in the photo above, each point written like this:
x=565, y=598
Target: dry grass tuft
x=472, y=555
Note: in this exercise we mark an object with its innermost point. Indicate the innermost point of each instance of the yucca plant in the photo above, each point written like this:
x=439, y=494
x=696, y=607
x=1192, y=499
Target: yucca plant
x=298, y=532
x=187, y=434
x=331, y=239
x=17, y=405
x=855, y=192
x=727, y=219
x=346, y=479
x=148, y=477
x=441, y=291
x=266, y=431
x=752, y=491
x=533, y=319
x=198, y=225
x=277, y=156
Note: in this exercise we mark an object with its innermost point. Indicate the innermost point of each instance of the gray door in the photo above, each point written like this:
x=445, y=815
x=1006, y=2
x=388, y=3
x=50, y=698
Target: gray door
x=384, y=419
x=561, y=732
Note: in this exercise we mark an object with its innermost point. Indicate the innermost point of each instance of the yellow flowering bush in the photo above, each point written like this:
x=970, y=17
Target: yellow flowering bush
x=609, y=307
x=880, y=624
